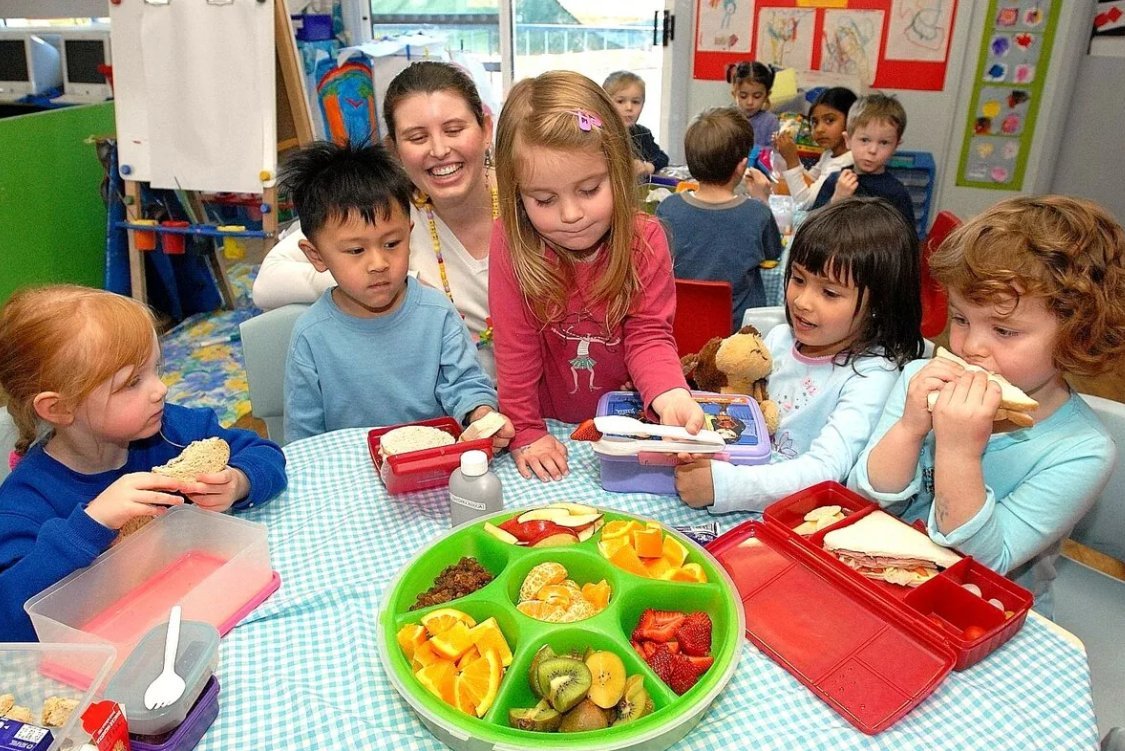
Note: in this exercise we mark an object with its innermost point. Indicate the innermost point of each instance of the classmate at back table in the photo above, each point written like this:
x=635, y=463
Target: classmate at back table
x=627, y=90
x=378, y=348
x=875, y=127
x=715, y=234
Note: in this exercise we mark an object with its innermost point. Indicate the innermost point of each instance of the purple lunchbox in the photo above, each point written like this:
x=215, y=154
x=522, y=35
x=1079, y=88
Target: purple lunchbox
x=186, y=736
x=736, y=417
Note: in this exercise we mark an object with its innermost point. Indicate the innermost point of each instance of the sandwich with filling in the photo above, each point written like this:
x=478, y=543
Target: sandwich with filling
x=884, y=548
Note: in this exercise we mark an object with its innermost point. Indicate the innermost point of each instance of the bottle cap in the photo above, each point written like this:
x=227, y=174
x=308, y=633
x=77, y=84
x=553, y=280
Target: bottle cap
x=474, y=463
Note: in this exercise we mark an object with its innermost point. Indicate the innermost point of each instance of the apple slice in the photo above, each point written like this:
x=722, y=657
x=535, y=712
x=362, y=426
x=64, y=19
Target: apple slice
x=500, y=534
x=529, y=532
x=555, y=539
x=547, y=513
x=585, y=533
x=576, y=521
x=576, y=509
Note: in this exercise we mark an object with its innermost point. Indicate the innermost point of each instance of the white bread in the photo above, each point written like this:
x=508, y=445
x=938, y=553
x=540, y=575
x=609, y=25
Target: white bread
x=199, y=458
x=1014, y=404
x=485, y=427
x=412, y=438
x=881, y=535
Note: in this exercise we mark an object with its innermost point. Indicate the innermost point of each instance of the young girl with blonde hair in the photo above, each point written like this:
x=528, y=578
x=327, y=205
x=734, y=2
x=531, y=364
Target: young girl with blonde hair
x=580, y=287
x=80, y=375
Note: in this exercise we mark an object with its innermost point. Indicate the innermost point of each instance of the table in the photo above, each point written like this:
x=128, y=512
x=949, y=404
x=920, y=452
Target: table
x=302, y=671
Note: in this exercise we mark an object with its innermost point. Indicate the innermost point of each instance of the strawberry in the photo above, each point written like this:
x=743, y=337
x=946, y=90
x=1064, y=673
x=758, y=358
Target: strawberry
x=674, y=647
x=661, y=663
x=683, y=675
x=648, y=648
x=639, y=649
x=700, y=664
x=694, y=634
x=658, y=625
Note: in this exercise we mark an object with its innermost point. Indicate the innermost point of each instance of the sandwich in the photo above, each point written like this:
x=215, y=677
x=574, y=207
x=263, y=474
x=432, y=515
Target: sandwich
x=1014, y=404
x=884, y=548
x=412, y=438
x=484, y=427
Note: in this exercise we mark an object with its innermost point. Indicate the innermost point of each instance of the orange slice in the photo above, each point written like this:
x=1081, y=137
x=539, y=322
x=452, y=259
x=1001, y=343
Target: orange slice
x=674, y=551
x=626, y=558
x=410, y=637
x=648, y=542
x=487, y=637
x=619, y=528
x=656, y=567
x=540, y=576
x=689, y=572
x=453, y=642
x=612, y=545
x=480, y=682
x=472, y=653
x=442, y=619
x=696, y=572
x=424, y=655
x=438, y=678
x=597, y=594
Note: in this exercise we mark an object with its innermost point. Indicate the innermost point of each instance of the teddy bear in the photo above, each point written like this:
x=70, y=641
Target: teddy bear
x=738, y=364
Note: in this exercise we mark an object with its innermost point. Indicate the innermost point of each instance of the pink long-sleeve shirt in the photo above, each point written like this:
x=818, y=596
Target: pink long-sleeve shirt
x=561, y=369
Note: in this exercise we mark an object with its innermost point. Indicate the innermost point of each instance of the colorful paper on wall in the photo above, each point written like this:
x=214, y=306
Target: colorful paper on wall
x=786, y=37
x=724, y=26
x=850, y=43
x=919, y=30
x=1107, y=36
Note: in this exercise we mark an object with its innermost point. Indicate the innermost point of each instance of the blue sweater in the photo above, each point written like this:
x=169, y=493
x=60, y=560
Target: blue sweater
x=883, y=185
x=722, y=242
x=45, y=532
x=415, y=363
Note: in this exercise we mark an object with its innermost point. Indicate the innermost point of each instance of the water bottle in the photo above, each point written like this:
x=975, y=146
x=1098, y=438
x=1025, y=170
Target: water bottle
x=474, y=489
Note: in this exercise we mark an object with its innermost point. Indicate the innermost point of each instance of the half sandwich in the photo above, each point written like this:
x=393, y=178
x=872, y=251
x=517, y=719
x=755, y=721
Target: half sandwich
x=884, y=548
x=1015, y=405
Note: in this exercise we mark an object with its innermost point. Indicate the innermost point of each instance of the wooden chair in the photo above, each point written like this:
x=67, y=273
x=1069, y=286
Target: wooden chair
x=265, y=345
x=703, y=311
x=935, y=303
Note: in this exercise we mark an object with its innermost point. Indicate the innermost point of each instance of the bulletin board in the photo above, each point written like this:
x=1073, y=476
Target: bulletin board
x=888, y=44
x=1008, y=85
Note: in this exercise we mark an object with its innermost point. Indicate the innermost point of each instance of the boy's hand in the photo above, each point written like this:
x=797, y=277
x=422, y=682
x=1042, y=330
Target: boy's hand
x=642, y=168
x=502, y=437
x=218, y=491
x=676, y=407
x=695, y=484
x=964, y=413
x=757, y=184
x=787, y=147
x=134, y=494
x=933, y=376
x=846, y=185
x=545, y=457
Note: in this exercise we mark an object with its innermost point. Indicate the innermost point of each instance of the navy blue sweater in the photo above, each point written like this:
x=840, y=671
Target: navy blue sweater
x=884, y=185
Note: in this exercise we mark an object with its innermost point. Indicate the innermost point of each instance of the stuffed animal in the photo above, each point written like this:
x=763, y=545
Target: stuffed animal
x=738, y=364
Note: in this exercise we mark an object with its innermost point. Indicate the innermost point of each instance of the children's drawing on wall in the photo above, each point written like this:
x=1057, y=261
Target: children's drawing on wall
x=919, y=29
x=1012, y=57
x=725, y=25
x=851, y=42
x=347, y=100
x=1107, y=37
x=785, y=37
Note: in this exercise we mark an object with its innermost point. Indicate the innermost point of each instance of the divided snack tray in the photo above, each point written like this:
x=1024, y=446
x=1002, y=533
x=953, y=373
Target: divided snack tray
x=871, y=650
x=609, y=629
x=428, y=468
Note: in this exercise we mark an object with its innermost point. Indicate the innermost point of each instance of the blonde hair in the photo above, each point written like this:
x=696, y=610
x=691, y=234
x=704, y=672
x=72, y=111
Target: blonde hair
x=622, y=79
x=877, y=108
x=544, y=112
x=68, y=339
x=1067, y=251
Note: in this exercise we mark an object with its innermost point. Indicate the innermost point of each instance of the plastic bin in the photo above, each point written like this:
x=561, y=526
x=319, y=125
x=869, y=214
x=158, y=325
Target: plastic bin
x=428, y=468
x=190, y=731
x=217, y=567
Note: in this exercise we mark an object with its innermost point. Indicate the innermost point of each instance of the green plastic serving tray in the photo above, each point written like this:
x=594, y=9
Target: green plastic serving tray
x=610, y=629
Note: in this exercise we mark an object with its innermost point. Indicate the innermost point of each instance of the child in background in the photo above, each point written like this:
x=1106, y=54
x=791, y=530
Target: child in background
x=852, y=296
x=378, y=348
x=580, y=282
x=84, y=364
x=716, y=234
x=1036, y=291
x=829, y=118
x=875, y=127
x=627, y=90
x=750, y=86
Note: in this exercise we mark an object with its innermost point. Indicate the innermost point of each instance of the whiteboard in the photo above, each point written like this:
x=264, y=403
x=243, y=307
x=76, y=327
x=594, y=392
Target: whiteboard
x=194, y=93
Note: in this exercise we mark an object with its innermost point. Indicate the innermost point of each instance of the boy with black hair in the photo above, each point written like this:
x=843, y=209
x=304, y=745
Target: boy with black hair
x=715, y=234
x=379, y=348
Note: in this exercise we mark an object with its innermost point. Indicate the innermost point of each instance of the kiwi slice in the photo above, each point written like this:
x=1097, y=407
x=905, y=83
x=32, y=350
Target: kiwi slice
x=564, y=681
x=586, y=715
x=636, y=702
x=540, y=718
x=608, y=678
x=545, y=653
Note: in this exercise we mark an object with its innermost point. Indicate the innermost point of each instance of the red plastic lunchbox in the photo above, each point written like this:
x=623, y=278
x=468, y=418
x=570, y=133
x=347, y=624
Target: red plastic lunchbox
x=869, y=649
x=428, y=468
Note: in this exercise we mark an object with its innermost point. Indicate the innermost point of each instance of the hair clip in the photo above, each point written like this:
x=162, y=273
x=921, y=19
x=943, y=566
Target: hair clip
x=587, y=120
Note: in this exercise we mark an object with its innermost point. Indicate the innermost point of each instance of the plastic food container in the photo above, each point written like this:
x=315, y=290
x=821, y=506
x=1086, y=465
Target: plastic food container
x=22, y=674
x=216, y=566
x=196, y=660
x=738, y=418
x=190, y=731
x=428, y=468
x=610, y=629
x=871, y=650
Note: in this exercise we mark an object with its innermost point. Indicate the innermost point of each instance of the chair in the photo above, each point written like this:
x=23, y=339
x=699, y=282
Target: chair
x=1114, y=740
x=265, y=343
x=935, y=303
x=703, y=311
x=764, y=319
x=1089, y=603
x=8, y=435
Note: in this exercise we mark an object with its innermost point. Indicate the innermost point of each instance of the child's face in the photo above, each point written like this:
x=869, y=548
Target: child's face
x=828, y=126
x=749, y=97
x=126, y=407
x=568, y=197
x=822, y=310
x=369, y=262
x=629, y=101
x=872, y=145
x=1018, y=346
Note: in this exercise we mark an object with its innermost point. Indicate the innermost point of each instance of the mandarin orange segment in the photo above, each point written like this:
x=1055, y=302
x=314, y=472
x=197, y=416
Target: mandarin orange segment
x=556, y=594
x=648, y=542
x=442, y=619
x=597, y=594
x=410, y=637
x=540, y=610
x=540, y=576
x=438, y=678
x=453, y=642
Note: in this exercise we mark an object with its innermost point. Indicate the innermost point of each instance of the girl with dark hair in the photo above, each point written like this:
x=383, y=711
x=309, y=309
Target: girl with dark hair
x=750, y=86
x=828, y=117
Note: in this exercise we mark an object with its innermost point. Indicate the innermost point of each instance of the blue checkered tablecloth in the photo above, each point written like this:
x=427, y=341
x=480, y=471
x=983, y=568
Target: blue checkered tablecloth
x=303, y=672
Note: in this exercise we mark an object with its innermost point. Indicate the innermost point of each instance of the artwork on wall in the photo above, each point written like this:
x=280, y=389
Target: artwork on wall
x=1006, y=92
x=857, y=37
x=1107, y=36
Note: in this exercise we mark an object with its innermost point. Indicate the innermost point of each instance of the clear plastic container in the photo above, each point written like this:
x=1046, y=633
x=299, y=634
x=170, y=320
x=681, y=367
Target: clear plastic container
x=190, y=731
x=196, y=660
x=215, y=566
x=23, y=674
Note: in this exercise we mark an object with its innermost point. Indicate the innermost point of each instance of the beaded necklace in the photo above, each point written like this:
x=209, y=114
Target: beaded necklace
x=423, y=202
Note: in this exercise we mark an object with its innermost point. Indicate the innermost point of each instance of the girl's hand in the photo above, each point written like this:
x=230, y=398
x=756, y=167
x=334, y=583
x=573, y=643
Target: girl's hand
x=787, y=147
x=694, y=483
x=757, y=184
x=676, y=407
x=218, y=491
x=134, y=494
x=916, y=417
x=502, y=437
x=846, y=185
x=642, y=168
x=964, y=413
x=545, y=457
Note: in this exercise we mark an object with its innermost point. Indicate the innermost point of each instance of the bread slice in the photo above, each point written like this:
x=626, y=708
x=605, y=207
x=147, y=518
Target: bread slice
x=1014, y=404
x=484, y=427
x=199, y=458
x=412, y=438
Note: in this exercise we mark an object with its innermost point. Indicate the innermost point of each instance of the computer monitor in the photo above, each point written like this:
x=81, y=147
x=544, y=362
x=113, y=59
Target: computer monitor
x=85, y=50
x=30, y=63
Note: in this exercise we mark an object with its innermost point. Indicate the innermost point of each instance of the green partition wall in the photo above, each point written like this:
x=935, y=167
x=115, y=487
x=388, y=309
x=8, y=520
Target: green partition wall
x=52, y=219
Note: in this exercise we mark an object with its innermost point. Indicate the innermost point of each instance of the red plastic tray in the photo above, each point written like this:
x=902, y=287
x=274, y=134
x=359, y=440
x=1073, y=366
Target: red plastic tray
x=428, y=468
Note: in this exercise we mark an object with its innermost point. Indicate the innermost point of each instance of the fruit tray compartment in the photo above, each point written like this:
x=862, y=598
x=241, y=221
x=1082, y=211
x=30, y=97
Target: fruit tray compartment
x=609, y=629
x=428, y=468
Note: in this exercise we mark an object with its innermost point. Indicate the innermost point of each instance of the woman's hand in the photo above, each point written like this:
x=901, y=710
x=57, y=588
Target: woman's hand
x=676, y=407
x=545, y=457
x=134, y=494
x=218, y=491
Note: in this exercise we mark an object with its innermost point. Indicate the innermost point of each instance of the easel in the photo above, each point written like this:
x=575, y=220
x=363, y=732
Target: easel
x=294, y=129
